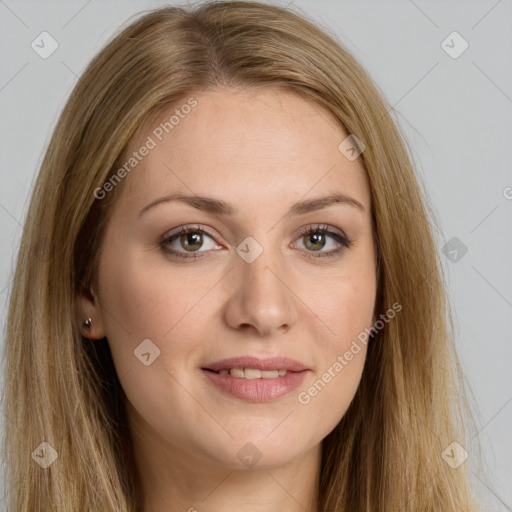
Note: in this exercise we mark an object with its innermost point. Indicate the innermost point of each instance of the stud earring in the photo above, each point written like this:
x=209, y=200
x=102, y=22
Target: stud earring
x=87, y=325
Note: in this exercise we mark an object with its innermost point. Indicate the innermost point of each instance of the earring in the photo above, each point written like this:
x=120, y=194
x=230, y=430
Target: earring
x=87, y=325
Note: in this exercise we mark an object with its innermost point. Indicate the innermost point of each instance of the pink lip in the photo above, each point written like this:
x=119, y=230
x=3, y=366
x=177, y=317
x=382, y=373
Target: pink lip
x=257, y=390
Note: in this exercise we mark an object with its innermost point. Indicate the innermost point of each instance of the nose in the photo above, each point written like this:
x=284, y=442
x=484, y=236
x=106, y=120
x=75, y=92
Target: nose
x=262, y=299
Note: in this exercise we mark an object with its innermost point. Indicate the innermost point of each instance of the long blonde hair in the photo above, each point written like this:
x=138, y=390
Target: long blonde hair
x=386, y=453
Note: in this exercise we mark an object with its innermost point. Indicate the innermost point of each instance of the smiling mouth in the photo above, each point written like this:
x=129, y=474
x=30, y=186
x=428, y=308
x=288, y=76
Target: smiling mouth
x=256, y=379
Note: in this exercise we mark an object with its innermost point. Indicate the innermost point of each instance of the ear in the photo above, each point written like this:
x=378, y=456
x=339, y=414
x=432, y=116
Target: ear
x=87, y=306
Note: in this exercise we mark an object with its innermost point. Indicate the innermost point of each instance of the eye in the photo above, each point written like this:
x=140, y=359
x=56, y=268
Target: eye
x=314, y=240
x=189, y=238
x=192, y=238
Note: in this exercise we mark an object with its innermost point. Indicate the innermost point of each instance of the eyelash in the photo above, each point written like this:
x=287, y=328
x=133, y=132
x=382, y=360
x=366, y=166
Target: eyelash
x=344, y=242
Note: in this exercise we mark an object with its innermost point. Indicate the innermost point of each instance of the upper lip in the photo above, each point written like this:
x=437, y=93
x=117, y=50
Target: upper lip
x=270, y=363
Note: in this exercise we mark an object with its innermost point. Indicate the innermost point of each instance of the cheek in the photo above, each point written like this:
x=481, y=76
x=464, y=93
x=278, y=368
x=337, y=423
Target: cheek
x=346, y=308
x=328, y=393
x=144, y=298
x=344, y=304
x=143, y=303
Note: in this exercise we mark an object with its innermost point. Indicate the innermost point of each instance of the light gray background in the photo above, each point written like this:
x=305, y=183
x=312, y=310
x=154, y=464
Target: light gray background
x=456, y=114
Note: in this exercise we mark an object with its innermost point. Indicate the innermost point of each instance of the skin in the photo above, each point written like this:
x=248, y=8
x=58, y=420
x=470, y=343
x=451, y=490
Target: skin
x=261, y=151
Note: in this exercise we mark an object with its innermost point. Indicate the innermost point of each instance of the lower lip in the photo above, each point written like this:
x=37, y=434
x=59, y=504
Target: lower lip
x=257, y=390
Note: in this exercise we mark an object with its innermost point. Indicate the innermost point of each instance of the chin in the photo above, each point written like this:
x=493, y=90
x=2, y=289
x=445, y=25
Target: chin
x=257, y=452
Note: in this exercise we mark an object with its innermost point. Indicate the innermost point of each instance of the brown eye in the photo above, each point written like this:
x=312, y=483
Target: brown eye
x=187, y=240
x=315, y=241
x=192, y=240
x=317, y=238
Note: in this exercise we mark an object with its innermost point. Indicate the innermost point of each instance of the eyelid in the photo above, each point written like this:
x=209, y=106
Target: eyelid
x=186, y=228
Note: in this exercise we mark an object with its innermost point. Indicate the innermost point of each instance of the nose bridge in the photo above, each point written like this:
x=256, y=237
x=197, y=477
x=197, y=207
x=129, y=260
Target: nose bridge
x=262, y=297
x=261, y=274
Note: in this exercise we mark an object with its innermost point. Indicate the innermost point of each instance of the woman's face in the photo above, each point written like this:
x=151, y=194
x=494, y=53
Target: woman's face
x=231, y=272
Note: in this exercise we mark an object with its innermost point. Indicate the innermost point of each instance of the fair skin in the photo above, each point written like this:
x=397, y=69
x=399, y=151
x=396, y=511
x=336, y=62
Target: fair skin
x=261, y=151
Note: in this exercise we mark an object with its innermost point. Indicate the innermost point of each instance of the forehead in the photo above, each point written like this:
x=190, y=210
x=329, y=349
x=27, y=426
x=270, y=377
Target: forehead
x=238, y=142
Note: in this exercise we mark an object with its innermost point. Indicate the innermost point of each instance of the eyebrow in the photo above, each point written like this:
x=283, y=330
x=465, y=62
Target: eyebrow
x=219, y=207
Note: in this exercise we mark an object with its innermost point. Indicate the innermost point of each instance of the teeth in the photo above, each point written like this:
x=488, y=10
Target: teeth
x=253, y=373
